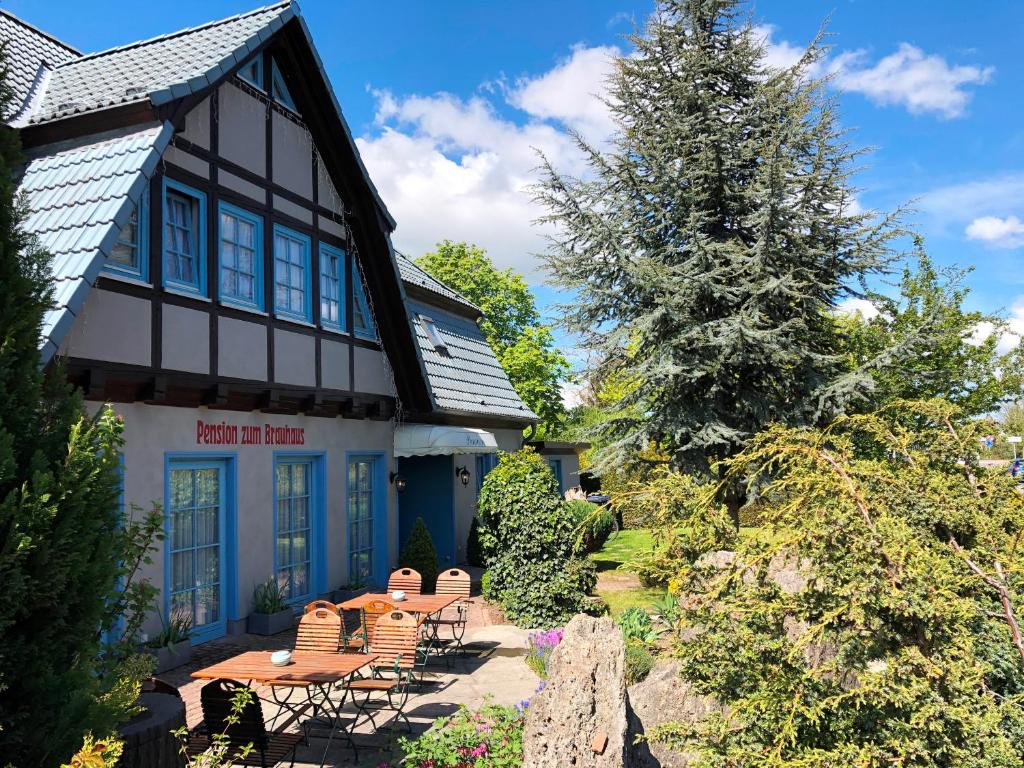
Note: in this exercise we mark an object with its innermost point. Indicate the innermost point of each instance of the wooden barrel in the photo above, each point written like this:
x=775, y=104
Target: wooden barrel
x=148, y=738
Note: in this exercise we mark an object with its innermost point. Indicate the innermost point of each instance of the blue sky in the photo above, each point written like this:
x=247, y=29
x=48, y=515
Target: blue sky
x=450, y=99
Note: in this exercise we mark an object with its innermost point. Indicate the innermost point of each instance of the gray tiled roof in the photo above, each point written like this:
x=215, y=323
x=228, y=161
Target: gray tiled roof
x=78, y=197
x=160, y=69
x=411, y=273
x=28, y=51
x=468, y=379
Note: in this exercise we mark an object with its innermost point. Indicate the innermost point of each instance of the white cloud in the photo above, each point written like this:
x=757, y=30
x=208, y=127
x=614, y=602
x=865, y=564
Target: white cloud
x=778, y=54
x=461, y=169
x=1009, y=338
x=854, y=306
x=910, y=78
x=1000, y=233
x=571, y=93
x=572, y=394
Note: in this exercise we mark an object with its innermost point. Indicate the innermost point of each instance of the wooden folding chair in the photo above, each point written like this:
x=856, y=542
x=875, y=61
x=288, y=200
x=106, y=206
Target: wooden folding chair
x=325, y=604
x=319, y=632
x=453, y=582
x=269, y=748
x=372, y=611
x=394, y=640
x=406, y=580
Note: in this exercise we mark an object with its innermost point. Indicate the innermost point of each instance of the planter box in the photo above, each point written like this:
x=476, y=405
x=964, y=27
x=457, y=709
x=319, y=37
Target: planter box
x=171, y=656
x=270, y=623
x=341, y=595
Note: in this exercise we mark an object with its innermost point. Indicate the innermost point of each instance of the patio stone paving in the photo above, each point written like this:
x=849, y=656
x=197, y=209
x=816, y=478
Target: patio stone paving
x=494, y=666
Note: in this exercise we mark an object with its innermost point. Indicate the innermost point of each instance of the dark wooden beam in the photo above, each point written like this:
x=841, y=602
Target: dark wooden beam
x=154, y=390
x=218, y=394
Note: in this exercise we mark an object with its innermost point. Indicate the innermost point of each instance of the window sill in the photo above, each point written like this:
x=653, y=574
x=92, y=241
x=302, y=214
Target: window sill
x=187, y=294
x=295, y=321
x=123, y=278
x=334, y=331
x=242, y=308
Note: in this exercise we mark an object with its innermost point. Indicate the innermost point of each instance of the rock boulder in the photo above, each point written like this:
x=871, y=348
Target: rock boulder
x=582, y=717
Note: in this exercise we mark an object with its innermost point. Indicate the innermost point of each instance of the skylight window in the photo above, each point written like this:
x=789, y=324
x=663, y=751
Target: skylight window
x=433, y=335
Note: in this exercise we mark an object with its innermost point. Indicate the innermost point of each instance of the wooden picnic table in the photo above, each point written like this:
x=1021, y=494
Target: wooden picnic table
x=304, y=669
x=317, y=672
x=424, y=605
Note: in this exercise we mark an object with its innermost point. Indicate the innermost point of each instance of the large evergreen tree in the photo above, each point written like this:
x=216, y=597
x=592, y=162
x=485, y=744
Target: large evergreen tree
x=711, y=241
x=60, y=535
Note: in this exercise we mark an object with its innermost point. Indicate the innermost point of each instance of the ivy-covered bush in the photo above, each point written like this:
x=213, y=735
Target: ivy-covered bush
x=491, y=737
x=420, y=555
x=593, y=524
x=529, y=542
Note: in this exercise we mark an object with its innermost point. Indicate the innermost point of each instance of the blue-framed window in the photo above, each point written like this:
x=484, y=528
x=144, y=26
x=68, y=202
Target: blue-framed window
x=556, y=470
x=485, y=462
x=332, y=287
x=278, y=89
x=130, y=254
x=240, y=238
x=362, y=320
x=199, y=564
x=366, y=507
x=184, y=244
x=299, y=525
x=292, y=279
x=252, y=71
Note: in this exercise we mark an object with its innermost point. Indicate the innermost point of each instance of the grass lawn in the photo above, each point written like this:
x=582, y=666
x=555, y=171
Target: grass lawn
x=621, y=588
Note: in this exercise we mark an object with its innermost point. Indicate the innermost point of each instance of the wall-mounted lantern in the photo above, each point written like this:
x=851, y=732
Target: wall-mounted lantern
x=398, y=481
x=463, y=474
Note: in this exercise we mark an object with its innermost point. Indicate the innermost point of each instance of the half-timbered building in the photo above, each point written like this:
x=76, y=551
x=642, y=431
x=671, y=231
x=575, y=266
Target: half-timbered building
x=225, y=277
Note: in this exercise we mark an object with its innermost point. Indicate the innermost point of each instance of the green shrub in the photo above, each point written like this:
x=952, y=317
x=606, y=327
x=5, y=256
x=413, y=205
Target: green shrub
x=639, y=662
x=534, y=571
x=268, y=597
x=420, y=555
x=636, y=626
x=491, y=737
x=474, y=550
x=593, y=524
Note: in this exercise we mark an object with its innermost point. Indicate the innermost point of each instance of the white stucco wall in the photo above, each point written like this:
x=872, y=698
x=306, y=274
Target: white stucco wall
x=151, y=432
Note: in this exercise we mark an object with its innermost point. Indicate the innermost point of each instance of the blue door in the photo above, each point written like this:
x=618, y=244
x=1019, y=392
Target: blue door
x=429, y=494
x=196, y=563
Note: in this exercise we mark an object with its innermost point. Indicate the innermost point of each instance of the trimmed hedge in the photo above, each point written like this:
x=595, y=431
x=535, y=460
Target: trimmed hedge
x=419, y=554
x=529, y=543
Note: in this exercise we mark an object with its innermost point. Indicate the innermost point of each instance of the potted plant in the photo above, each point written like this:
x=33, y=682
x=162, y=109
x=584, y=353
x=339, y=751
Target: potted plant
x=270, y=613
x=173, y=646
x=354, y=588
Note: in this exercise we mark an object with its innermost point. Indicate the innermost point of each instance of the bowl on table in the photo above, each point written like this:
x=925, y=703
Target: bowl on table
x=281, y=658
x=398, y=596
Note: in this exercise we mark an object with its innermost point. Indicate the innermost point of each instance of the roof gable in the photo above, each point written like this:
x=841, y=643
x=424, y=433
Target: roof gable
x=78, y=196
x=161, y=69
x=413, y=274
x=31, y=54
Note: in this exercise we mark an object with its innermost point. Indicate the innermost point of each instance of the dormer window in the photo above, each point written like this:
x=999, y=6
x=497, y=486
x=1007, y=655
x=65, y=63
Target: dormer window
x=433, y=335
x=129, y=256
x=252, y=72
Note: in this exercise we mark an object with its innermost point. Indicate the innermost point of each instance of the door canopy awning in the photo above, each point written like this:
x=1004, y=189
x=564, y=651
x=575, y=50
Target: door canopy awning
x=429, y=440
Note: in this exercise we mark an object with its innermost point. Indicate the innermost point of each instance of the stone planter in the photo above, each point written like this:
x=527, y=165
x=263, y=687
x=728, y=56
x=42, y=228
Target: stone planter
x=147, y=737
x=169, y=657
x=341, y=595
x=270, y=623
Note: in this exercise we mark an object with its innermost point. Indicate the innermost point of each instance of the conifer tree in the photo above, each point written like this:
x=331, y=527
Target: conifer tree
x=60, y=540
x=710, y=242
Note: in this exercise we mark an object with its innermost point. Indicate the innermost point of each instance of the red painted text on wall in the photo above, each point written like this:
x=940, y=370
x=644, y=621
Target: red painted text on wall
x=222, y=433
